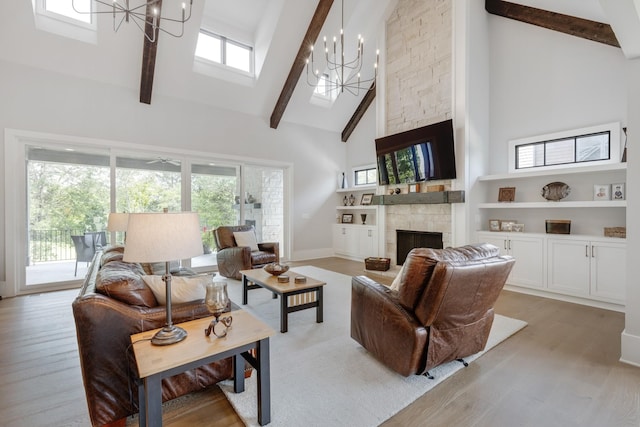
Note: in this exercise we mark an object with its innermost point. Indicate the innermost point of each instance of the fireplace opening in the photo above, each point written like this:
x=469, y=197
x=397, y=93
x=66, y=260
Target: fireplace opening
x=409, y=239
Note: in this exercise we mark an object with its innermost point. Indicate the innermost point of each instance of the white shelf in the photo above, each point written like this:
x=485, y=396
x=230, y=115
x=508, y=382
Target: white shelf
x=358, y=207
x=550, y=172
x=554, y=205
x=355, y=189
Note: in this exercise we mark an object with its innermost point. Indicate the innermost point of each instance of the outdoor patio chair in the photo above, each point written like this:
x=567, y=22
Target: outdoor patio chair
x=85, y=249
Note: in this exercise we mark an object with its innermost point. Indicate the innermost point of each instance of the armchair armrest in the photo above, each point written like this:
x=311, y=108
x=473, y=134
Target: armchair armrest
x=384, y=327
x=232, y=260
x=273, y=247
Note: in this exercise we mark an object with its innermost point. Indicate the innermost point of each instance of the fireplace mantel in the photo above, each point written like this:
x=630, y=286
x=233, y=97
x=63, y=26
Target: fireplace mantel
x=435, y=197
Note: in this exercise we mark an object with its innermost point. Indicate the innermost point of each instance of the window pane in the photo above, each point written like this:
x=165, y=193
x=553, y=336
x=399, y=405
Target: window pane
x=209, y=47
x=592, y=147
x=323, y=86
x=65, y=8
x=147, y=185
x=238, y=57
x=372, y=176
x=558, y=152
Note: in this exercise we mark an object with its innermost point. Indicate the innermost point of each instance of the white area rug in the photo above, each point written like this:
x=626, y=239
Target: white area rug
x=320, y=376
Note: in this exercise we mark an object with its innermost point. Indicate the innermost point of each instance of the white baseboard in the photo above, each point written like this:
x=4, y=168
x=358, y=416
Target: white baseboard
x=630, y=349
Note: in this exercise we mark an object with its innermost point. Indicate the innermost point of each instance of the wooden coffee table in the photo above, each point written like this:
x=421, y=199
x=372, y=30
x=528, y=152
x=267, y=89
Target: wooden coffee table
x=258, y=278
x=157, y=362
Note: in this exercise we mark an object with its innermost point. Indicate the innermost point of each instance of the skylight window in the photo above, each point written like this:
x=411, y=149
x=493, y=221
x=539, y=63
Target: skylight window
x=65, y=8
x=322, y=88
x=219, y=49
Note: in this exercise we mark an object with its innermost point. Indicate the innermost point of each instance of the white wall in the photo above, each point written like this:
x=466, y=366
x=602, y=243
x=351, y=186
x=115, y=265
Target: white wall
x=543, y=81
x=37, y=100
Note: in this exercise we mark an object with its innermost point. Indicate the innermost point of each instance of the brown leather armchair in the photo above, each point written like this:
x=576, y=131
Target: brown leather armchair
x=441, y=311
x=233, y=258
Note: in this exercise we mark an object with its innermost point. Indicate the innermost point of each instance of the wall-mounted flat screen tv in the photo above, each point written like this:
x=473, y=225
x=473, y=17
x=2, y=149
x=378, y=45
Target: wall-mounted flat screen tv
x=421, y=154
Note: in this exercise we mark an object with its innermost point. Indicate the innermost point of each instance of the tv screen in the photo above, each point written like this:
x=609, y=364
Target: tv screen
x=422, y=154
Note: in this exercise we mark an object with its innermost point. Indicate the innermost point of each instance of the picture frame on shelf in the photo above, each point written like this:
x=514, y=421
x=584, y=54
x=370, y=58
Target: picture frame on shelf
x=517, y=228
x=494, y=225
x=347, y=218
x=366, y=199
x=602, y=192
x=507, y=224
x=617, y=191
x=507, y=194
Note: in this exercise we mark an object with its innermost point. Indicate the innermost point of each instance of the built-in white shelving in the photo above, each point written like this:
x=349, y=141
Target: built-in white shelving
x=553, y=205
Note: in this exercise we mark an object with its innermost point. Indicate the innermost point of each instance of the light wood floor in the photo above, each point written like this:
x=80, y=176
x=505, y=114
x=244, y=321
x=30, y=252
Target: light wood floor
x=561, y=370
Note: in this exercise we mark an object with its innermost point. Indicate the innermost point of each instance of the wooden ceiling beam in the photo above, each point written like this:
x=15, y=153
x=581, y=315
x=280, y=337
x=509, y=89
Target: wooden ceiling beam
x=299, y=62
x=579, y=27
x=357, y=115
x=149, y=53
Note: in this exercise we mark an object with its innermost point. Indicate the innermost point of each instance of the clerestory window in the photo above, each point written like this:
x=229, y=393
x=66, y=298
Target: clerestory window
x=222, y=50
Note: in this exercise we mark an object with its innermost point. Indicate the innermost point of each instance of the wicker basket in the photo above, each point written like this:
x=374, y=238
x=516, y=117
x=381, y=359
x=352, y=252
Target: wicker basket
x=377, y=264
x=615, y=232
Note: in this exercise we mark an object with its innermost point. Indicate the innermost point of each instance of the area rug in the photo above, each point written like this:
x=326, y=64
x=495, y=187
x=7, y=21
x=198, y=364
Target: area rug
x=320, y=376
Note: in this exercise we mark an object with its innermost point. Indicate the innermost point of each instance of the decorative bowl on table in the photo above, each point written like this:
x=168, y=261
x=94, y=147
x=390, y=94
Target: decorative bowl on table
x=276, y=269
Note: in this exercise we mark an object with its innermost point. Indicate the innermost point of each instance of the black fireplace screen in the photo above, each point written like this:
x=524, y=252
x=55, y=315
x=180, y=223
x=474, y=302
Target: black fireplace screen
x=408, y=239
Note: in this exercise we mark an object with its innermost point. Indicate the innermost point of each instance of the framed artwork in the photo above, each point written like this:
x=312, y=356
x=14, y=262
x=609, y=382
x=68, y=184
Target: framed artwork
x=519, y=228
x=507, y=194
x=414, y=188
x=602, y=192
x=494, y=225
x=507, y=225
x=617, y=191
x=366, y=199
x=347, y=218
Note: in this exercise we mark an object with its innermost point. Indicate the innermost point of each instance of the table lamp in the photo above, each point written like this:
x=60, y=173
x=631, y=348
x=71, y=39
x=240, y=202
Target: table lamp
x=118, y=222
x=163, y=237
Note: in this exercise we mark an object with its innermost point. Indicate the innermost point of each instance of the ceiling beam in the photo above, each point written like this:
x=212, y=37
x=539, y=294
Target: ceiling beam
x=357, y=115
x=579, y=27
x=149, y=53
x=299, y=62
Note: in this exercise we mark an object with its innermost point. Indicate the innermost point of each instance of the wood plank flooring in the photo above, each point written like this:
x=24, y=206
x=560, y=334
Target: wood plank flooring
x=561, y=370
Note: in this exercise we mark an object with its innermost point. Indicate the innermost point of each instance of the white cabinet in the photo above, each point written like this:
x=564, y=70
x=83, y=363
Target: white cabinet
x=355, y=241
x=588, y=268
x=528, y=251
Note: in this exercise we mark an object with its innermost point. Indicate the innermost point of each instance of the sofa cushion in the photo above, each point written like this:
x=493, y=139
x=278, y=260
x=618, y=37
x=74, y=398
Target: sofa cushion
x=110, y=256
x=246, y=238
x=397, y=282
x=183, y=288
x=122, y=281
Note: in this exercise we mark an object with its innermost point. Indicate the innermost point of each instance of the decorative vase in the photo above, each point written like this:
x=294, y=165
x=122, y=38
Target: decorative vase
x=345, y=200
x=217, y=302
x=352, y=200
x=364, y=218
x=344, y=181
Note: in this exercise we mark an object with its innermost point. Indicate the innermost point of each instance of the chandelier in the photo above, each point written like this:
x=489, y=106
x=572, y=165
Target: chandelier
x=123, y=11
x=340, y=74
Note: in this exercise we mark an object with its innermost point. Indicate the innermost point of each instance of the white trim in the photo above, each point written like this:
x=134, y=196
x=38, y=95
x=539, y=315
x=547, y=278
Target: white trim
x=62, y=25
x=630, y=349
x=313, y=254
x=15, y=190
x=614, y=128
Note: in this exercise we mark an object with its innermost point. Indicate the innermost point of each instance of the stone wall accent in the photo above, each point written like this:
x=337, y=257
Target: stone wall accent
x=419, y=76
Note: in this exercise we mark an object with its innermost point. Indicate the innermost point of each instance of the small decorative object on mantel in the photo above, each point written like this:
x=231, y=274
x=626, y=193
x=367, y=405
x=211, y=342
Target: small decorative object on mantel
x=397, y=191
x=617, y=191
x=507, y=194
x=558, y=226
x=435, y=188
x=555, y=191
x=602, y=192
x=414, y=188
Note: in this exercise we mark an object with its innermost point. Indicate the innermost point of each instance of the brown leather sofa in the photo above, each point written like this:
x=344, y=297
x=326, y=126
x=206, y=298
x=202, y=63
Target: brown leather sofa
x=441, y=311
x=233, y=258
x=114, y=302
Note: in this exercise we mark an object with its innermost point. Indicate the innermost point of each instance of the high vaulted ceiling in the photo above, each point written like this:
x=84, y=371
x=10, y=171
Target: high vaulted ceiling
x=275, y=27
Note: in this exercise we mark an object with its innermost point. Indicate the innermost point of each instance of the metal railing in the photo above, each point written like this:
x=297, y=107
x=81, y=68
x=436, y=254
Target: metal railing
x=51, y=245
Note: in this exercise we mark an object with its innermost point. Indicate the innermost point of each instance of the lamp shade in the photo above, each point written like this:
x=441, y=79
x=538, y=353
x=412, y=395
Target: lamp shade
x=117, y=221
x=162, y=237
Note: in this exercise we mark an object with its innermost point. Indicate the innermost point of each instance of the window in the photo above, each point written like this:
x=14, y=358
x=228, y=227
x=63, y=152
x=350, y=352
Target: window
x=367, y=175
x=69, y=9
x=323, y=88
x=219, y=49
x=566, y=149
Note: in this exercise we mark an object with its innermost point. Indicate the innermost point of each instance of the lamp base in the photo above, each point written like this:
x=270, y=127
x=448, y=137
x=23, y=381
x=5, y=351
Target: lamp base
x=169, y=335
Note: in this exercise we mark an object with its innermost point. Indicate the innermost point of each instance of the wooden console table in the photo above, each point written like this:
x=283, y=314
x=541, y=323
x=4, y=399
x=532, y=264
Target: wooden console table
x=158, y=362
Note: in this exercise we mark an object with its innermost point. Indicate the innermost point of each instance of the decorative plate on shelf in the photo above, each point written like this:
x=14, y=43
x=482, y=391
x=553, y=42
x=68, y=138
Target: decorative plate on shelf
x=555, y=191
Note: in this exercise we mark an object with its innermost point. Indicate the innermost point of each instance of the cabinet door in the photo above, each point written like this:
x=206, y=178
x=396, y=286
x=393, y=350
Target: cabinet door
x=608, y=271
x=339, y=239
x=529, y=255
x=568, y=266
x=368, y=246
x=497, y=239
